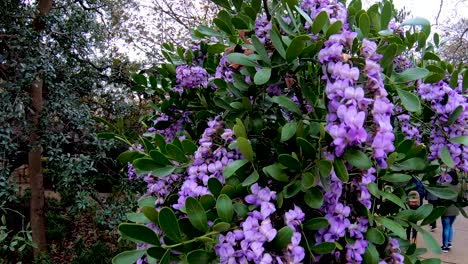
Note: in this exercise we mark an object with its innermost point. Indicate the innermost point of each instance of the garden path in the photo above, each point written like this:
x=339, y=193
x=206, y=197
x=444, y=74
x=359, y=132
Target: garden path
x=459, y=252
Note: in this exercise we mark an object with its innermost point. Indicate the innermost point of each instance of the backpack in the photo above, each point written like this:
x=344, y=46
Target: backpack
x=413, y=200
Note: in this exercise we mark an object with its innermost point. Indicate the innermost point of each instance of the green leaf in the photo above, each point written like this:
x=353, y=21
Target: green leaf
x=239, y=129
x=232, y=167
x=242, y=59
x=221, y=24
x=389, y=55
x=245, y=148
x=240, y=23
x=140, y=79
x=306, y=146
x=189, y=147
x=392, y=226
x=320, y=21
x=129, y=156
x=314, y=198
x=371, y=256
x=216, y=48
x=307, y=180
x=455, y=115
x=222, y=3
x=431, y=56
x=145, y=164
x=296, y=47
x=291, y=189
x=435, y=77
x=341, y=170
x=147, y=201
x=324, y=248
x=358, y=159
x=286, y=103
x=207, y=201
x=431, y=261
x=334, y=28
x=436, y=39
x=215, y=186
x=260, y=49
x=156, y=252
x=288, y=131
x=428, y=239
x=409, y=100
x=128, y=257
x=412, y=74
x=364, y=24
x=163, y=171
x=137, y=218
x=393, y=198
x=169, y=224
x=434, y=215
x=375, y=236
x=277, y=42
x=325, y=168
x=159, y=158
x=289, y=161
x=106, y=135
x=209, y=31
x=262, y=76
x=221, y=227
x=396, y=177
x=150, y=213
x=411, y=164
x=316, y=223
x=283, y=238
x=304, y=15
x=373, y=189
x=196, y=214
x=176, y=153
x=253, y=178
x=447, y=158
x=276, y=172
x=442, y=192
x=460, y=140
x=139, y=233
x=386, y=15
x=224, y=208
x=419, y=21
x=198, y=256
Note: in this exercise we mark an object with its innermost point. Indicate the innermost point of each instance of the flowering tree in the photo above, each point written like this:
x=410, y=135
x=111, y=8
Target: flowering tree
x=290, y=133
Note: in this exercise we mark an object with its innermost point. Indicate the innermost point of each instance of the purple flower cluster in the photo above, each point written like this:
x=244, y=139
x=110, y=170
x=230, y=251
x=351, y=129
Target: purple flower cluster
x=294, y=252
x=191, y=77
x=247, y=245
x=382, y=107
x=175, y=126
x=356, y=250
x=347, y=104
x=444, y=100
x=336, y=10
x=210, y=159
x=393, y=248
x=360, y=187
x=131, y=171
x=336, y=213
x=401, y=63
x=224, y=70
x=262, y=29
x=161, y=187
x=410, y=130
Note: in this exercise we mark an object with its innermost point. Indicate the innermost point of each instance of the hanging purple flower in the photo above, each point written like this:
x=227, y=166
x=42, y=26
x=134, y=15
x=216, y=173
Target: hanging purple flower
x=191, y=77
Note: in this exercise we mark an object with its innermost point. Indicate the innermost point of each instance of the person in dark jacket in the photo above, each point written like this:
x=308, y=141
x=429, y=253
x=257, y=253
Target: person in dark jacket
x=417, y=186
x=448, y=218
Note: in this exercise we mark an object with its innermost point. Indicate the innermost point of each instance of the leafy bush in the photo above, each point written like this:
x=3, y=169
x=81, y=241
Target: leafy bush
x=292, y=135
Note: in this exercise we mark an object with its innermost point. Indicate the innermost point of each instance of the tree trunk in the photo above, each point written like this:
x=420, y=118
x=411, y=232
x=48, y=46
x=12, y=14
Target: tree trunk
x=35, y=154
x=35, y=172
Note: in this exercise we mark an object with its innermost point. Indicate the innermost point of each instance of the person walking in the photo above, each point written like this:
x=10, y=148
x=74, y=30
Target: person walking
x=414, y=200
x=434, y=200
x=450, y=214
